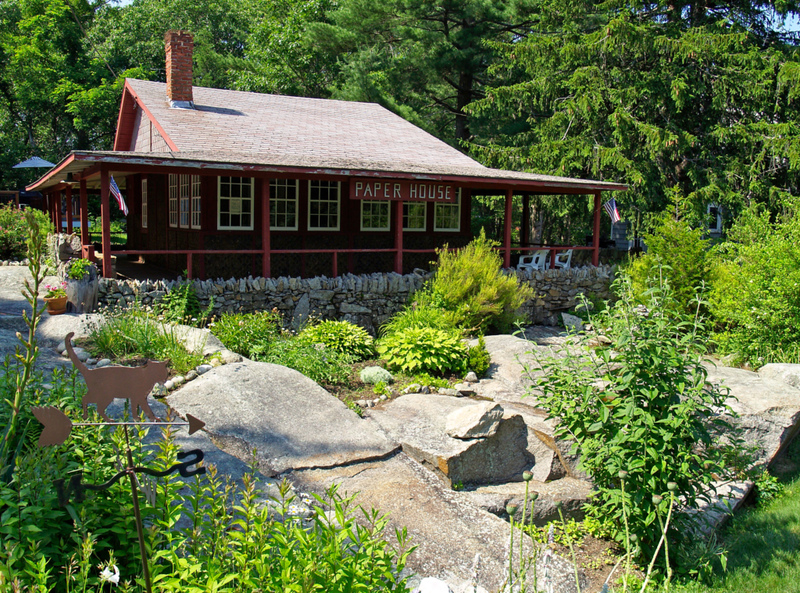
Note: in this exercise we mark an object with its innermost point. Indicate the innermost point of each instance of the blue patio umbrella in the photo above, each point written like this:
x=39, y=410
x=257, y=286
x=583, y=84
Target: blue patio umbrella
x=33, y=162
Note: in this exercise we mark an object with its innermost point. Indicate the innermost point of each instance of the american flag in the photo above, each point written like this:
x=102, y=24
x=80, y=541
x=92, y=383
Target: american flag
x=116, y=193
x=611, y=210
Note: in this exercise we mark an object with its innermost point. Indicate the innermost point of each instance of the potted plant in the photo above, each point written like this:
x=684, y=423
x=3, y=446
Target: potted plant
x=82, y=286
x=56, y=298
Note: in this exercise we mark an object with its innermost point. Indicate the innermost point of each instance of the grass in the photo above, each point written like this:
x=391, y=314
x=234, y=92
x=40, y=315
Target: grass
x=763, y=542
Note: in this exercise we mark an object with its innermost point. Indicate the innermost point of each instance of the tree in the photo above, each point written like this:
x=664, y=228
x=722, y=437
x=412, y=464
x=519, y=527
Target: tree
x=684, y=101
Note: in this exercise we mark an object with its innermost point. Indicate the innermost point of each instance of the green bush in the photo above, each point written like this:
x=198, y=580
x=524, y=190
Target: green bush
x=424, y=350
x=343, y=336
x=755, y=296
x=181, y=305
x=14, y=230
x=478, y=358
x=135, y=332
x=247, y=333
x=679, y=255
x=470, y=283
x=643, y=418
x=79, y=269
x=374, y=375
x=323, y=365
x=419, y=315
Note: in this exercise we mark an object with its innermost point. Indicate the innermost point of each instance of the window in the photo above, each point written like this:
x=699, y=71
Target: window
x=714, y=218
x=447, y=217
x=374, y=215
x=414, y=214
x=283, y=204
x=185, y=201
x=235, y=205
x=323, y=205
x=196, y=201
x=173, y=200
x=144, y=203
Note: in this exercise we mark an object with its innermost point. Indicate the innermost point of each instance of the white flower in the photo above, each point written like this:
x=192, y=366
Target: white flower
x=107, y=576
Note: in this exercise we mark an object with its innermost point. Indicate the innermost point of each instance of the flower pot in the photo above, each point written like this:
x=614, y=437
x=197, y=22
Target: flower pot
x=56, y=305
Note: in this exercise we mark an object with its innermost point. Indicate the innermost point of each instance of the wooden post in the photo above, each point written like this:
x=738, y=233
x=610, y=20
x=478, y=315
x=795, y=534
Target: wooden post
x=507, y=229
x=105, y=217
x=68, y=197
x=58, y=211
x=266, y=264
x=596, y=236
x=398, y=236
x=84, y=213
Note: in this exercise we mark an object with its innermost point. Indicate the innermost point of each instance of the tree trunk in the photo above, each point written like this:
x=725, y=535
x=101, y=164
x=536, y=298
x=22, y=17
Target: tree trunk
x=82, y=294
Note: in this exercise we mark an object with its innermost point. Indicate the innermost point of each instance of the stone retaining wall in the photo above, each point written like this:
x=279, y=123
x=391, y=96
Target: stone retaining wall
x=367, y=300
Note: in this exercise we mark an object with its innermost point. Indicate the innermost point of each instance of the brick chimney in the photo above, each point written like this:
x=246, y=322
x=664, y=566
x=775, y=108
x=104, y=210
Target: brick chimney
x=178, y=46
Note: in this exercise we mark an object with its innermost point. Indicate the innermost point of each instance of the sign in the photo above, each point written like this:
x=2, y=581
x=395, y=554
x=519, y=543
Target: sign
x=402, y=190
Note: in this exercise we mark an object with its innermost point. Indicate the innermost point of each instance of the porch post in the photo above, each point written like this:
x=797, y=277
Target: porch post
x=507, y=229
x=105, y=216
x=398, y=236
x=58, y=212
x=84, y=213
x=596, y=235
x=266, y=267
x=68, y=196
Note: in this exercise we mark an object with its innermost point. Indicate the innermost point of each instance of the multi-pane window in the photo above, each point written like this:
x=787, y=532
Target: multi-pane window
x=196, y=201
x=184, y=201
x=374, y=215
x=447, y=216
x=323, y=205
x=283, y=204
x=414, y=214
x=144, y=203
x=235, y=203
x=173, y=200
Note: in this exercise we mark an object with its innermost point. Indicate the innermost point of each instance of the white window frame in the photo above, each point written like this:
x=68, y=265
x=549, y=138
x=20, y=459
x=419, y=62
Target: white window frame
x=436, y=208
x=185, y=202
x=173, y=200
x=197, y=201
x=274, y=200
x=370, y=204
x=251, y=200
x=144, y=202
x=311, y=201
x=424, y=217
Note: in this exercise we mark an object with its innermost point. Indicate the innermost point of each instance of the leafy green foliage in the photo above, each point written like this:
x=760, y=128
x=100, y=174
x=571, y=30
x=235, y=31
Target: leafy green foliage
x=642, y=415
x=14, y=230
x=248, y=333
x=373, y=375
x=135, y=332
x=677, y=253
x=424, y=350
x=181, y=305
x=470, y=283
x=478, y=358
x=756, y=288
x=343, y=336
x=423, y=312
x=79, y=269
x=323, y=365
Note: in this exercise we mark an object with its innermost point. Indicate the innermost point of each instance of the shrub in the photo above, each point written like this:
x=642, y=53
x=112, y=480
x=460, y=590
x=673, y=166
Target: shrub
x=246, y=333
x=14, y=230
x=478, y=358
x=343, y=336
x=755, y=296
x=424, y=350
x=374, y=375
x=419, y=315
x=323, y=365
x=677, y=253
x=79, y=269
x=181, y=305
x=470, y=283
x=641, y=414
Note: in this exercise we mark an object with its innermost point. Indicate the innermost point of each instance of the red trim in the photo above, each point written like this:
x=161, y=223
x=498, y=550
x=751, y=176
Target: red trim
x=66, y=161
x=125, y=129
x=84, y=213
x=105, y=216
x=596, y=238
x=68, y=205
x=398, y=236
x=507, y=229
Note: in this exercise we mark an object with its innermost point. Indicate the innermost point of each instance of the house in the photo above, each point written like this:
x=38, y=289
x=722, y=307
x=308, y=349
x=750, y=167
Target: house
x=228, y=183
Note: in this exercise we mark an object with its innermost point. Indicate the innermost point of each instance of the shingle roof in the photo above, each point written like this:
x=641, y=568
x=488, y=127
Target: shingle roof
x=298, y=129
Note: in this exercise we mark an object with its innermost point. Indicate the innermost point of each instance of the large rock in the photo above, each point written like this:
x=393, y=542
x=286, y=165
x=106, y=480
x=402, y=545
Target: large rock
x=475, y=421
x=418, y=423
x=788, y=373
x=292, y=422
x=447, y=528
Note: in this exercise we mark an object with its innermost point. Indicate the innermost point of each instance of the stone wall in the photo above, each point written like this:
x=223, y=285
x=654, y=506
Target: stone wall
x=367, y=300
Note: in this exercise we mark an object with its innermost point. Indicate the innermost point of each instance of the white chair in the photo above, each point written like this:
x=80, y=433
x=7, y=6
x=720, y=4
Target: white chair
x=563, y=259
x=532, y=262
